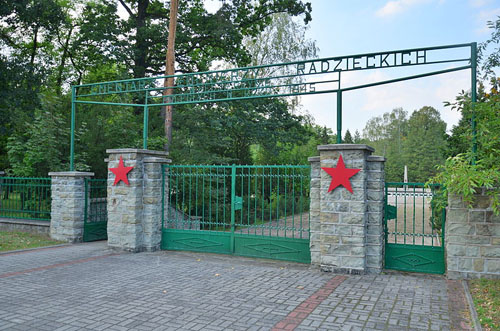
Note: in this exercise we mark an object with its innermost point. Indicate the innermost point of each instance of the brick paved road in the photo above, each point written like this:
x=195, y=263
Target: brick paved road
x=87, y=287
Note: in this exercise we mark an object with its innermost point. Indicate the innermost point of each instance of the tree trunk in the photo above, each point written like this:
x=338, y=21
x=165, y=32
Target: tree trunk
x=140, y=39
x=169, y=71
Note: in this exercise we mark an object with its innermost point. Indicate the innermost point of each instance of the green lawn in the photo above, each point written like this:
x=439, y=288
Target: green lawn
x=486, y=296
x=12, y=207
x=10, y=241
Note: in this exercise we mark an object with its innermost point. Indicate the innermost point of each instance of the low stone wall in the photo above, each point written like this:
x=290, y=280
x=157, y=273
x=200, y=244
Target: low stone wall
x=29, y=226
x=472, y=239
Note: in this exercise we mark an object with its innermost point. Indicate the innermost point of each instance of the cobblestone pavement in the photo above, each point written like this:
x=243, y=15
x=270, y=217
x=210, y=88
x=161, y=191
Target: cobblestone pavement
x=87, y=287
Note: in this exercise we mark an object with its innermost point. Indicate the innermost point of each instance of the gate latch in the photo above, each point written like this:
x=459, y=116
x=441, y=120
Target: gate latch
x=238, y=203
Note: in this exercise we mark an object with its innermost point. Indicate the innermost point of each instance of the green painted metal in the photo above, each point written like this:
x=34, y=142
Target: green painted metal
x=146, y=124
x=414, y=232
x=72, y=141
x=276, y=80
x=25, y=198
x=339, y=117
x=474, y=99
x=95, y=215
x=256, y=211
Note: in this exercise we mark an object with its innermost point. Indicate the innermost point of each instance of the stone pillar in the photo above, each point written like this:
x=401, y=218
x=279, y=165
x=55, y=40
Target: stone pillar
x=68, y=205
x=152, y=201
x=134, y=211
x=375, y=186
x=341, y=243
x=315, y=211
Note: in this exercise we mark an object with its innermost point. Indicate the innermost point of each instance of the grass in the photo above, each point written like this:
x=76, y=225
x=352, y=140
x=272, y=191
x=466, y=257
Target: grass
x=10, y=241
x=486, y=296
x=12, y=208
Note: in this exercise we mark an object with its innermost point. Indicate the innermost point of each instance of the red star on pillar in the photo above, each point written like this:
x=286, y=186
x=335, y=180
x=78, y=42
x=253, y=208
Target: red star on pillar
x=340, y=175
x=121, y=172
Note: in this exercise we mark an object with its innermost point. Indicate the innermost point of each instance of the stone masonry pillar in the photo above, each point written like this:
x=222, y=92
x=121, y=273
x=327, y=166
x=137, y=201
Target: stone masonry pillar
x=68, y=205
x=346, y=228
x=134, y=211
x=375, y=186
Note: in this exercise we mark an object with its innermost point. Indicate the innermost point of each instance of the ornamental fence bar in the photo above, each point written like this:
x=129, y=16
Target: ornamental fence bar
x=25, y=198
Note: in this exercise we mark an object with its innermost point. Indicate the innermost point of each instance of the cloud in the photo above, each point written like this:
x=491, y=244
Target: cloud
x=479, y=3
x=395, y=7
x=483, y=17
x=361, y=105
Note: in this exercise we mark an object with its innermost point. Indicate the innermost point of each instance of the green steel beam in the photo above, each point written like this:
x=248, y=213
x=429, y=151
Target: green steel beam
x=474, y=99
x=145, y=125
x=72, y=142
x=339, y=117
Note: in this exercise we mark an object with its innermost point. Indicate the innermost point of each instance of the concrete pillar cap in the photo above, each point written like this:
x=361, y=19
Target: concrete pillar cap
x=342, y=147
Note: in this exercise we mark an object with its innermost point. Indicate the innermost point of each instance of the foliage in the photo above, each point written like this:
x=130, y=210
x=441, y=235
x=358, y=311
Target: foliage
x=486, y=296
x=348, y=138
x=490, y=58
x=465, y=173
x=418, y=142
x=50, y=44
x=38, y=150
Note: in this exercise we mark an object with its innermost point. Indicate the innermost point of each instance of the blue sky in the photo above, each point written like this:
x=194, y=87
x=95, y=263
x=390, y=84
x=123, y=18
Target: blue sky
x=342, y=27
x=350, y=27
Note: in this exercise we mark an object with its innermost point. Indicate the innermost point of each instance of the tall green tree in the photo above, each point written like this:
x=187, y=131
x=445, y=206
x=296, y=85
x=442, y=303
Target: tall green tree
x=348, y=138
x=425, y=147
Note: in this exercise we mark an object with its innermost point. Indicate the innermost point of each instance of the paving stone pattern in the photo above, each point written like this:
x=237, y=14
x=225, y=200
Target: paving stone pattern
x=187, y=291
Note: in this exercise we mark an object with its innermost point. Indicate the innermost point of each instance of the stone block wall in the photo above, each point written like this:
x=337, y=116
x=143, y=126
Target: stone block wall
x=375, y=185
x=68, y=205
x=134, y=211
x=346, y=228
x=472, y=238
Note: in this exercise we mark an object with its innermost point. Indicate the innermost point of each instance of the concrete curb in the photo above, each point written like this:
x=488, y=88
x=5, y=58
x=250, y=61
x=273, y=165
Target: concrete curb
x=473, y=313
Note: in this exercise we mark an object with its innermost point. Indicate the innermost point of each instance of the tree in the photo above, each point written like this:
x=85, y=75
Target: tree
x=348, y=138
x=357, y=137
x=465, y=173
x=425, y=147
x=490, y=58
x=387, y=134
x=170, y=71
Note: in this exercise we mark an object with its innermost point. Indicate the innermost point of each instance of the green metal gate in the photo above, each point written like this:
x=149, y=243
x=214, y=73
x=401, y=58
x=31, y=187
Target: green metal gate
x=255, y=211
x=95, y=214
x=414, y=228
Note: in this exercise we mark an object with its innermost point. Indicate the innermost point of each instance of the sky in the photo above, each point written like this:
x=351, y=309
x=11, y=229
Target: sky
x=360, y=26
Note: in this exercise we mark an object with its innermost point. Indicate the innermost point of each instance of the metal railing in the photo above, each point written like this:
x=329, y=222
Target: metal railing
x=255, y=200
x=411, y=214
x=25, y=198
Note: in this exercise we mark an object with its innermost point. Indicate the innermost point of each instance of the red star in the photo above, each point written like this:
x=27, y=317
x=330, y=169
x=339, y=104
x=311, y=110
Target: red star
x=121, y=172
x=340, y=175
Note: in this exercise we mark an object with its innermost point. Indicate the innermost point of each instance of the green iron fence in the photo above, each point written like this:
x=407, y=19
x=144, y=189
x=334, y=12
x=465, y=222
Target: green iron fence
x=259, y=211
x=414, y=227
x=25, y=198
x=95, y=214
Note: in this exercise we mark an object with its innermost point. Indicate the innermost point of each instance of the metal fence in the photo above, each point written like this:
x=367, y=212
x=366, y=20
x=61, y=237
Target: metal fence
x=257, y=200
x=25, y=198
x=256, y=211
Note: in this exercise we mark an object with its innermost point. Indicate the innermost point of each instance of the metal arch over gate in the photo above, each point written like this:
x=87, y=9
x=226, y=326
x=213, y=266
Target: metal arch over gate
x=277, y=80
x=254, y=211
x=414, y=228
